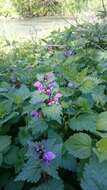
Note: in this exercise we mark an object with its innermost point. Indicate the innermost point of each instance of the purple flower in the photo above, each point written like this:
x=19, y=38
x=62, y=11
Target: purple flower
x=39, y=86
x=36, y=114
x=43, y=155
x=57, y=97
x=49, y=156
x=49, y=77
x=52, y=85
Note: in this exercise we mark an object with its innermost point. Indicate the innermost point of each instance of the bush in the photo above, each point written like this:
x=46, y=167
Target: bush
x=48, y=7
x=53, y=111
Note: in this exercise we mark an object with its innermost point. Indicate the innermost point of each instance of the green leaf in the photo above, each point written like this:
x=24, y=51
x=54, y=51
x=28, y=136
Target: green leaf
x=101, y=149
x=14, y=185
x=51, y=185
x=31, y=172
x=68, y=162
x=8, y=118
x=85, y=122
x=15, y=157
x=51, y=170
x=22, y=92
x=38, y=126
x=53, y=112
x=88, y=84
x=38, y=98
x=83, y=104
x=5, y=142
x=1, y=158
x=5, y=108
x=79, y=145
x=102, y=121
x=24, y=135
x=95, y=176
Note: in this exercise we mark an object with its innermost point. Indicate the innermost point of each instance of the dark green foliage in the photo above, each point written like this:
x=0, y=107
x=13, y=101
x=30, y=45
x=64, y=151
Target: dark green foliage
x=55, y=139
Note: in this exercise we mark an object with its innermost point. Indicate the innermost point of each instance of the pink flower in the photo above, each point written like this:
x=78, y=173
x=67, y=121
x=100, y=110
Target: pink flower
x=57, y=97
x=48, y=91
x=39, y=86
x=51, y=102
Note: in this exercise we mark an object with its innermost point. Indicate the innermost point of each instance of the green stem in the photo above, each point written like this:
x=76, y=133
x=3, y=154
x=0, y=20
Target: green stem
x=103, y=5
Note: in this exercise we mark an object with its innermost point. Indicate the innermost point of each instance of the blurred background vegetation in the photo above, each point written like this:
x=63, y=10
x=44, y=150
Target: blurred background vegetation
x=48, y=7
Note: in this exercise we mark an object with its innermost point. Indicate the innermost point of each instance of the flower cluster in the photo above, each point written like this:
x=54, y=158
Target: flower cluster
x=47, y=85
x=46, y=156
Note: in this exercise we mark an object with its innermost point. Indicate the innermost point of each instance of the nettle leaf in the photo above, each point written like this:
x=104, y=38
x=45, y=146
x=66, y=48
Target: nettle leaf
x=79, y=145
x=5, y=108
x=68, y=162
x=83, y=104
x=24, y=135
x=85, y=122
x=98, y=95
x=101, y=149
x=38, y=126
x=8, y=118
x=15, y=157
x=31, y=172
x=51, y=169
x=53, y=112
x=102, y=121
x=95, y=175
x=51, y=185
x=5, y=142
x=88, y=84
x=11, y=184
x=38, y=98
x=23, y=92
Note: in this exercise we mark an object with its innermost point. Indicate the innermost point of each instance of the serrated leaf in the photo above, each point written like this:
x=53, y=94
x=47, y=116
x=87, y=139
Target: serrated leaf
x=51, y=185
x=51, y=170
x=38, y=126
x=102, y=121
x=22, y=92
x=95, y=176
x=14, y=185
x=31, y=172
x=85, y=122
x=79, y=145
x=53, y=112
x=5, y=142
x=5, y=108
x=15, y=157
x=101, y=149
x=24, y=135
x=68, y=162
x=88, y=84
x=38, y=98
x=8, y=118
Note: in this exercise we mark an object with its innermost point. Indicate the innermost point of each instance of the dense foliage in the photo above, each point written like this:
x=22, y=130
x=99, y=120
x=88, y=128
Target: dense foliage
x=48, y=7
x=53, y=111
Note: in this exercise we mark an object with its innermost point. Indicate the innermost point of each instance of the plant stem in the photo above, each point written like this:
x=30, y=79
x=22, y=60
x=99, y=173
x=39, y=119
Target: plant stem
x=103, y=4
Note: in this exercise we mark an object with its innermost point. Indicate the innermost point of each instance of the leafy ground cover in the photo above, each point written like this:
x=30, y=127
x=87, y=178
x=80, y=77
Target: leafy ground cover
x=53, y=111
